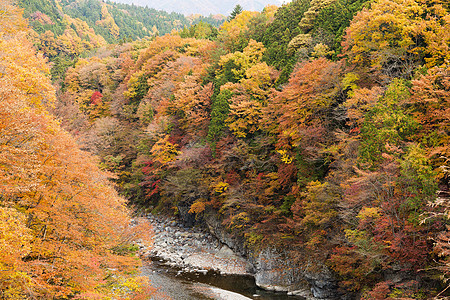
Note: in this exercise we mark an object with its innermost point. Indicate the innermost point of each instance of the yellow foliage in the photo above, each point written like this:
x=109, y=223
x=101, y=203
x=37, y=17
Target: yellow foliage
x=15, y=239
x=348, y=82
x=19, y=63
x=84, y=31
x=356, y=236
x=221, y=187
x=240, y=220
x=197, y=47
x=197, y=207
x=231, y=30
x=369, y=212
x=244, y=115
x=57, y=208
x=391, y=29
x=164, y=151
x=319, y=201
x=285, y=157
x=107, y=21
x=252, y=90
x=300, y=41
x=269, y=11
x=257, y=80
x=133, y=85
x=322, y=50
x=244, y=60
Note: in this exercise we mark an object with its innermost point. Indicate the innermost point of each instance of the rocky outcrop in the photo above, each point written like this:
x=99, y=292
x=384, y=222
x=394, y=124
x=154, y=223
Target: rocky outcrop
x=277, y=270
x=192, y=249
x=195, y=250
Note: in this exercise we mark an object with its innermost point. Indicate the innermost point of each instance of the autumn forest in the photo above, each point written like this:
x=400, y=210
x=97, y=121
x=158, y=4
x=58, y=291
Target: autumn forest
x=320, y=128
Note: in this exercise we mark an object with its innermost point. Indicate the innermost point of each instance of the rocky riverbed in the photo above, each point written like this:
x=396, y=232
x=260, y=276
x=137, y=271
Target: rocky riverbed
x=196, y=251
x=192, y=250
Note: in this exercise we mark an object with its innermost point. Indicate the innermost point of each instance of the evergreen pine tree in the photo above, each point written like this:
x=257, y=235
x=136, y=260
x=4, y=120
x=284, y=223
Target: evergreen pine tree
x=236, y=11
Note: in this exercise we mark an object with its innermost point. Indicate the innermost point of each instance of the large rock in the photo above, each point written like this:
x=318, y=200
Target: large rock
x=276, y=269
x=216, y=228
x=279, y=271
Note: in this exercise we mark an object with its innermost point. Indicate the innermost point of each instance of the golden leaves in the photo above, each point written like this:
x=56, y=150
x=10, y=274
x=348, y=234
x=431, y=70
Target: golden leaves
x=395, y=31
x=56, y=207
x=285, y=157
x=221, y=187
x=164, y=151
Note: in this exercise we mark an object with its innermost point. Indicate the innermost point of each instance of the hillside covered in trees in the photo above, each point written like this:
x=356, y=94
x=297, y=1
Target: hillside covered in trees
x=65, y=30
x=204, y=7
x=64, y=230
x=319, y=128
x=113, y=21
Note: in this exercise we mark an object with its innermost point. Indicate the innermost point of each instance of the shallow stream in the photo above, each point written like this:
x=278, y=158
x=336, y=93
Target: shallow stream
x=190, y=263
x=172, y=284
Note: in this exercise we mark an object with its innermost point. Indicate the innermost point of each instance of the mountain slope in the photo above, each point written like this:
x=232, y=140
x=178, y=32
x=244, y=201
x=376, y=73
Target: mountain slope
x=204, y=7
x=112, y=21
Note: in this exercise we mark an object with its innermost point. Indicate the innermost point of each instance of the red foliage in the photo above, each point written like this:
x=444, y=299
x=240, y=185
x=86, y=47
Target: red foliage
x=151, y=182
x=96, y=98
x=287, y=174
x=379, y=292
x=405, y=243
x=353, y=267
x=232, y=178
x=224, y=144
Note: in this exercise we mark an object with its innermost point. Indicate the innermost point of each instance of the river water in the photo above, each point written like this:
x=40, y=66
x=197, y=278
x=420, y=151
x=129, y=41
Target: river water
x=172, y=284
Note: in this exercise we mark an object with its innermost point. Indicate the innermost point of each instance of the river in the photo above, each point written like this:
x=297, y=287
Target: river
x=172, y=284
x=189, y=263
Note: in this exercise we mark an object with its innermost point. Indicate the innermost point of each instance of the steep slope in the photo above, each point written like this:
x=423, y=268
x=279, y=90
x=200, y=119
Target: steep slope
x=204, y=7
x=112, y=21
x=325, y=177
x=64, y=230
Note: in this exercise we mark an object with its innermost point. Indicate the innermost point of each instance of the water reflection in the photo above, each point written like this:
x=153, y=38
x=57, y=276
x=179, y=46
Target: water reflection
x=193, y=286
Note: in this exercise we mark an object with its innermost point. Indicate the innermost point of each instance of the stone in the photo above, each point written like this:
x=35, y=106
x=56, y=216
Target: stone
x=226, y=252
x=305, y=293
x=195, y=250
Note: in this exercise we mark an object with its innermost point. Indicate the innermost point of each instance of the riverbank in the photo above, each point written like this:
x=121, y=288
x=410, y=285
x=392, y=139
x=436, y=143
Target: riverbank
x=195, y=251
x=192, y=249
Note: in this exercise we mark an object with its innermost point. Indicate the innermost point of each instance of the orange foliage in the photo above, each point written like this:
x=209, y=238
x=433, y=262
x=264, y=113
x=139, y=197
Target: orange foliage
x=66, y=224
x=194, y=103
x=297, y=114
x=431, y=106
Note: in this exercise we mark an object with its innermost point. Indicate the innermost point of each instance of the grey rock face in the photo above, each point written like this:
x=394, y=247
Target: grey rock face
x=192, y=250
x=276, y=270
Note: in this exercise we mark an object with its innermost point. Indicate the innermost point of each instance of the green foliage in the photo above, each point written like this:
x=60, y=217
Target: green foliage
x=219, y=112
x=47, y=7
x=200, y=30
x=126, y=249
x=287, y=203
x=386, y=124
x=331, y=22
x=278, y=35
x=134, y=22
x=60, y=65
x=236, y=11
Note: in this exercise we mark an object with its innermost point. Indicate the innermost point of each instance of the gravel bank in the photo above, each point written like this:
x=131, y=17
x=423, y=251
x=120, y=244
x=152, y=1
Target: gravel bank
x=192, y=249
